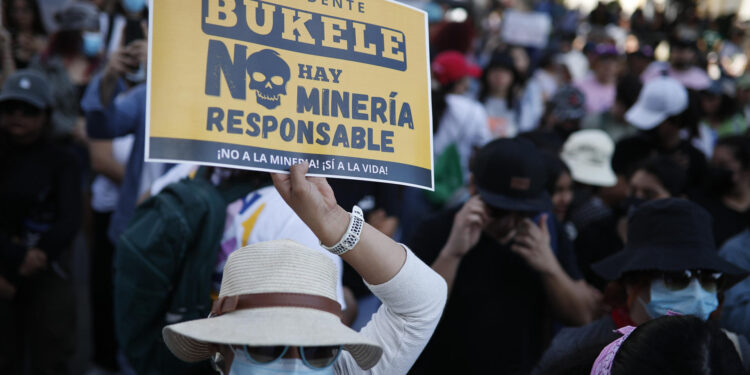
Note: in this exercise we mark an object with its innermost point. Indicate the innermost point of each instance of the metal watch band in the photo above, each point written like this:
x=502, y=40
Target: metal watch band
x=351, y=237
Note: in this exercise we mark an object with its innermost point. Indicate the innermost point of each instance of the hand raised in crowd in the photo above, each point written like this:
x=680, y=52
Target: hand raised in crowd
x=532, y=242
x=35, y=261
x=313, y=201
x=467, y=227
x=122, y=60
x=376, y=257
x=7, y=290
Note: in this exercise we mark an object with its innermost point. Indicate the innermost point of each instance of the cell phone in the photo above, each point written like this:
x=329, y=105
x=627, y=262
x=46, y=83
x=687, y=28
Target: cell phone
x=133, y=31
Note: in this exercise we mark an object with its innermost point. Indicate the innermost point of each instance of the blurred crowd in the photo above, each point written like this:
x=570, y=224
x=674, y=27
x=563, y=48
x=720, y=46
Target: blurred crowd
x=592, y=172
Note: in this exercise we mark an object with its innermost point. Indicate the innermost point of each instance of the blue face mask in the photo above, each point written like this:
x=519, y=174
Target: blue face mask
x=134, y=6
x=242, y=366
x=92, y=43
x=693, y=300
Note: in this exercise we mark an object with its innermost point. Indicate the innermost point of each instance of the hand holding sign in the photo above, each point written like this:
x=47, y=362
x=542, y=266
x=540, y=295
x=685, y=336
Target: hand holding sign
x=313, y=201
x=377, y=258
x=266, y=84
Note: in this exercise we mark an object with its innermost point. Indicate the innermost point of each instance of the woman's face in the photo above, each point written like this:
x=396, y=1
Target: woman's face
x=644, y=185
x=499, y=79
x=23, y=14
x=562, y=195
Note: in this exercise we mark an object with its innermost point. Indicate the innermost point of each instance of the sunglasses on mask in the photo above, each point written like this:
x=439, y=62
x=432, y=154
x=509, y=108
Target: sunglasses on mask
x=679, y=280
x=314, y=357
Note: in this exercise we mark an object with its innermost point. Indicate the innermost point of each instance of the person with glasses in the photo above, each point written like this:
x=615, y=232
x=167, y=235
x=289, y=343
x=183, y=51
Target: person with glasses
x=510, y=270
x=40, y=214
x=669, y=266
x=277, y=310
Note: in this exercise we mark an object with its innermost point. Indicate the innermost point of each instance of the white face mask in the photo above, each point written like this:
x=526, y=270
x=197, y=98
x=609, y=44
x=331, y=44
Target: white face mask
x=242, y=366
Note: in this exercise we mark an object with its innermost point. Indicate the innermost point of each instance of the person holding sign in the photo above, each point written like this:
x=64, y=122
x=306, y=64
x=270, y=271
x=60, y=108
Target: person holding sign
x=277, y=312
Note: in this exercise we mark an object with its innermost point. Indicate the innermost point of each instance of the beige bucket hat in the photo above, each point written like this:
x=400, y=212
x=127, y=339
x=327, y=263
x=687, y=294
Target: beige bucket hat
x=273, y=293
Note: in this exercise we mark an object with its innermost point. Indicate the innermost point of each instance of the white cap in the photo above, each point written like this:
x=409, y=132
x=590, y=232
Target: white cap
x=588, y=154
x=659, y=99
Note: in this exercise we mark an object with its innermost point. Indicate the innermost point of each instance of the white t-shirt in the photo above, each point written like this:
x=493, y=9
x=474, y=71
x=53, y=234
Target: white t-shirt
x=262, y=215
x=465, y=124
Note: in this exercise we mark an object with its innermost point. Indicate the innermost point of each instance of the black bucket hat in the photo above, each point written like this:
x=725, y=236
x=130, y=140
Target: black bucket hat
x=510, y=174
x=668, y=235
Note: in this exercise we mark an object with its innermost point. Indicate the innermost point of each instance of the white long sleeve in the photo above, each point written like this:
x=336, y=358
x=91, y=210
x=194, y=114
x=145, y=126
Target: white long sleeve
x=413, y=302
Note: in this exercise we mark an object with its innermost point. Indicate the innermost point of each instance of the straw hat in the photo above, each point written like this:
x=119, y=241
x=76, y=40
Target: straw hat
x=273, y=293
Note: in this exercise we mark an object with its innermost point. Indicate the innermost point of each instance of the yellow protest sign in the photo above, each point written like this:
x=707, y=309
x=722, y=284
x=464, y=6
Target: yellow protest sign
x=342, y=84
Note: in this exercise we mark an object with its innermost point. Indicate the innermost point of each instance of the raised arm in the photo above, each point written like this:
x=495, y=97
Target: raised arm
x=377, y=258
x=413, y=295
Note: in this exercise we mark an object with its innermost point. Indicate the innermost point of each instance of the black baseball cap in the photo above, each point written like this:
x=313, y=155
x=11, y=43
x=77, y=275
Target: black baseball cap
x=27, y=86
x=510, y=174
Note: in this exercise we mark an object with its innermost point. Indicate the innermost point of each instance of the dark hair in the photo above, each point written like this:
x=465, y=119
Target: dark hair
x=628, y=88
x=64, y=43
x=555, y=168
x=501, y=60
x=740, y=146
x=683, y=345
x=728, y=106
x=577, y=363
x=37, y=25
x=671, y=175
x=630, y=153
x=439, y=104
x=690, y=117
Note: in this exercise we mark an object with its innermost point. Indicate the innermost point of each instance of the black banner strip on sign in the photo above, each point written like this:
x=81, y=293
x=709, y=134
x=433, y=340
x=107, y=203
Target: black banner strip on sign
x=278, y=26
x=258, y=157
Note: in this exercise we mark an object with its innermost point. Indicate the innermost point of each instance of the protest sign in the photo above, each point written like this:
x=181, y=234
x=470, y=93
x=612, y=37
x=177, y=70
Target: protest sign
x=342, y=84
x=529, y=29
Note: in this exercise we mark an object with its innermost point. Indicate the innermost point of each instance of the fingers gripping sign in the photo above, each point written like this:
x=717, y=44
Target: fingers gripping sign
x=313, y=201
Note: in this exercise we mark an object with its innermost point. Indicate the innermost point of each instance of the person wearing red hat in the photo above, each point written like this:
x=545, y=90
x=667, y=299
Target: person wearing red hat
x=458, y=121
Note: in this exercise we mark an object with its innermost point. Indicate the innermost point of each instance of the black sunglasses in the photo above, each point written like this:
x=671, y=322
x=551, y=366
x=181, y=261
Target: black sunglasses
x=678, y=280
x=314, y=357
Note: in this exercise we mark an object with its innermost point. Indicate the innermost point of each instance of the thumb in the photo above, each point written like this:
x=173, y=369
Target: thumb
x=297, y=175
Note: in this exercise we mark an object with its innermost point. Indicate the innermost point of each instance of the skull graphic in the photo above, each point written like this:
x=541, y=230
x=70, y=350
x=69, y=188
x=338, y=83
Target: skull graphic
x=268, y=77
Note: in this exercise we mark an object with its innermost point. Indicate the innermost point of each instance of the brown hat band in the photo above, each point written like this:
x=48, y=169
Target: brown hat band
x=228, y=304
